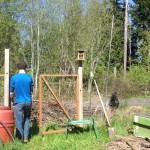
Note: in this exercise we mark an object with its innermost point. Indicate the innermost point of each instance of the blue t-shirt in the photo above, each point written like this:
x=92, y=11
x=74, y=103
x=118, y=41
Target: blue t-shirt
x=21, y=84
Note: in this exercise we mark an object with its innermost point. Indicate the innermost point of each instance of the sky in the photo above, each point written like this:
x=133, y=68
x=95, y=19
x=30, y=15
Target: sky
x=130, y=1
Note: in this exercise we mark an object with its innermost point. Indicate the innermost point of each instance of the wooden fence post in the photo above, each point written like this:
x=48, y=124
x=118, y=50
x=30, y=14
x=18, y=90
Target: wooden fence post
x=6, y=79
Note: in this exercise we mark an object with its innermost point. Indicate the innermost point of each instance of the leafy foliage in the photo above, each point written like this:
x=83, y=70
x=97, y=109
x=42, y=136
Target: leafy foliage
x=138, y=75
x=9, y=33
x=48, y=33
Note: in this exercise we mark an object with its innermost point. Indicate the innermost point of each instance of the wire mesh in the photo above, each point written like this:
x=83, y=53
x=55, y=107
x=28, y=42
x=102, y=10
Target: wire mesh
x=1, y=90
x=56, y=90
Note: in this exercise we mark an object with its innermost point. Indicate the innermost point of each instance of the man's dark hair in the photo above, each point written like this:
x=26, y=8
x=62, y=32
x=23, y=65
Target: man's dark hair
x=22, y=65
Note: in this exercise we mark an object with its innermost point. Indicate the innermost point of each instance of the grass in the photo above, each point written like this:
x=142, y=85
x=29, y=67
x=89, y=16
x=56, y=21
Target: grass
x=123, y=121
x=147, y=107
x=123, y=125
x=85, y=140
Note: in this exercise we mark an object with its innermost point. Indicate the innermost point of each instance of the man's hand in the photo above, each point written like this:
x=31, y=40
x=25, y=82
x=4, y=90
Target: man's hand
x=12, y=96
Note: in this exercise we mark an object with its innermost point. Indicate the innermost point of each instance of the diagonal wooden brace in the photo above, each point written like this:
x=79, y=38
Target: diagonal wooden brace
x=57, y=99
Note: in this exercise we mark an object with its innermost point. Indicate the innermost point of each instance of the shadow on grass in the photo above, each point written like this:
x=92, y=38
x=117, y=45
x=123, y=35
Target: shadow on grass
x=79, y=130
x=34, y=129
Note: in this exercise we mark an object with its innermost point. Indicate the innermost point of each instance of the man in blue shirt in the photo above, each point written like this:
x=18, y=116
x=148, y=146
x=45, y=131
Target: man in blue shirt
x=21, y=88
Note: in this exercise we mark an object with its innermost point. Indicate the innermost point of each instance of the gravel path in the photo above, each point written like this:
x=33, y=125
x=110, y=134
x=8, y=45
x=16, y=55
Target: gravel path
x=129, y=102
x=136, y=102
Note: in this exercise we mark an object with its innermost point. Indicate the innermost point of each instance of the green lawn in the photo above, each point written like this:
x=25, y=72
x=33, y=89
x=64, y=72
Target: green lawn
x=85, y=140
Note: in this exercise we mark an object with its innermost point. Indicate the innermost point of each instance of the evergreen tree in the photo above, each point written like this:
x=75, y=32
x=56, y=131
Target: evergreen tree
x=118, y=34
x=141, y=20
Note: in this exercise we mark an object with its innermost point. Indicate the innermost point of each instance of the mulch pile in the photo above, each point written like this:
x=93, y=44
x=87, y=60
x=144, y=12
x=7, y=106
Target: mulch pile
x=51, y=111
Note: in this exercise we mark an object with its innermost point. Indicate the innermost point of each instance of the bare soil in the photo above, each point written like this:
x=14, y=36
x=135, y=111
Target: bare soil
x=129, y=143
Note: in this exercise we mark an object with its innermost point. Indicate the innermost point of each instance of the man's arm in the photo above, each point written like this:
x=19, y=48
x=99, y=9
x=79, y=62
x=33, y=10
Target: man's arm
x=31, y=89
x=12, y=98
x=31, y=86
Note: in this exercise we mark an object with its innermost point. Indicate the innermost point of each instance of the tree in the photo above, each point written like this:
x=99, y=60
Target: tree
x=141, y=20
x=9, y=33
x=97, y=24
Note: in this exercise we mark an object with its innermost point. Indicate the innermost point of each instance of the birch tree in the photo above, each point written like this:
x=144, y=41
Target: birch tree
x=9, y=33
x=98, y=25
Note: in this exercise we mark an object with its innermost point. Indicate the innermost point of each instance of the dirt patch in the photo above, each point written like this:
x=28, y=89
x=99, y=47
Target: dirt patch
x=129, y=143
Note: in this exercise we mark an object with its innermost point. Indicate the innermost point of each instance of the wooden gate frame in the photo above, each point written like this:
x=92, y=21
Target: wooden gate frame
x=41, y=79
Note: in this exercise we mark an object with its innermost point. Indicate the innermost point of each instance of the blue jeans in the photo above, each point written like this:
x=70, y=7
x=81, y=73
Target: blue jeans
x=22, y=117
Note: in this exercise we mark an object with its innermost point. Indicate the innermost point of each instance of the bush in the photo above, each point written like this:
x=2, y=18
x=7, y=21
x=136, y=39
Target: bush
x=138, y=75
x=137, y=82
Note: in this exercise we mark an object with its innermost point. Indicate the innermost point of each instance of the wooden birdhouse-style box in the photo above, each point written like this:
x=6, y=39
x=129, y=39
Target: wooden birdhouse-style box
x=81, y=55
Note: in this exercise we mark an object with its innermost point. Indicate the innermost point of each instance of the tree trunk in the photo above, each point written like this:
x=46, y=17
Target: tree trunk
x=125, y=39
x=111, y=36
x=38, y=53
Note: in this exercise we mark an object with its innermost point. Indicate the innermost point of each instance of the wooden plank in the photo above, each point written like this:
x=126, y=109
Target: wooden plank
x=102, y=104
x=77, y=98
x=80, y=102
x=54, y=131
x=141, y=131
x=6, y=79
x=142, y=128
x=58, y=75
x=40, y=104
x=142, y=120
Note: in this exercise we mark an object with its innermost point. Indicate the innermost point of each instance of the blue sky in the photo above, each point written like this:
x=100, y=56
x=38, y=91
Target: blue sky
x=130, y=1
